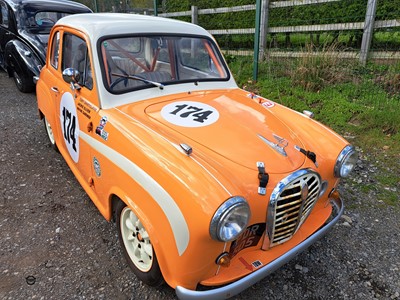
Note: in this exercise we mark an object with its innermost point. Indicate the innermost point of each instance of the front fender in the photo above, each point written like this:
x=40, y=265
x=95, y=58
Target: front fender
x=19, y=56
x=172, y=193
x=318, y=138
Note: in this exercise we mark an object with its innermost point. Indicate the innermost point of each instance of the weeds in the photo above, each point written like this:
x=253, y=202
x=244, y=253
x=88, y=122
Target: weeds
x=390, y=81
x=317, y=69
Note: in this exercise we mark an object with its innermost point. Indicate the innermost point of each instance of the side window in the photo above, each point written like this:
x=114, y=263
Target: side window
x=75, y=55
x=4, y=14
x=55, y=50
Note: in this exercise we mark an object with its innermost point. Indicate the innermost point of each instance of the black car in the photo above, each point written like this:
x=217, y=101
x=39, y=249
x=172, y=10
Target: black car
x=24, y=31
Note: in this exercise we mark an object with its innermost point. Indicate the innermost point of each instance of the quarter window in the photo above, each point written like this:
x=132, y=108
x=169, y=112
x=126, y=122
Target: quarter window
x=55, y=51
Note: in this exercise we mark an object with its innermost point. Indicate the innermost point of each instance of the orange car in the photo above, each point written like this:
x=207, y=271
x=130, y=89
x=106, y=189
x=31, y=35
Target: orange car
x=210, y=185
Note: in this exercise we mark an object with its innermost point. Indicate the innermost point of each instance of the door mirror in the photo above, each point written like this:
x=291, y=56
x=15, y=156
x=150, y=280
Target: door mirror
x=71, y=75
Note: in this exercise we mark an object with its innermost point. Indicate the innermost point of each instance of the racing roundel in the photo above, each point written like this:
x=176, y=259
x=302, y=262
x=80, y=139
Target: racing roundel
x=268, y=104
x=190, y=114
x=69, y=125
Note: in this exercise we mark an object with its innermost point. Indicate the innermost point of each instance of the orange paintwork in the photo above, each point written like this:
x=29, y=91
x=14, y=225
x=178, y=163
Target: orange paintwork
x=135, y=137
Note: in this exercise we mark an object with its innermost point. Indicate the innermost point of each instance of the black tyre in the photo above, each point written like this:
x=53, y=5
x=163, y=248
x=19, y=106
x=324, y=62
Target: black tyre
x=136, y=246
x=24, y=83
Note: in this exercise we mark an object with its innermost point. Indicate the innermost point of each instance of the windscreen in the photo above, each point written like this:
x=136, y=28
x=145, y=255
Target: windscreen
x=30, y=19
x=139, y=62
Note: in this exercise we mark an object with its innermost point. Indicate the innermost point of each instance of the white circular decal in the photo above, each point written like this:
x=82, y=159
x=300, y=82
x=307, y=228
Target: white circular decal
x=69, y=125
x=190, y=114
x=268, y=104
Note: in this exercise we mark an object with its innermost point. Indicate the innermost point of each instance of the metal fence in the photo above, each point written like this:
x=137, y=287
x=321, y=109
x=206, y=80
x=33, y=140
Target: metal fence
x=351, y=29
x=358, y=30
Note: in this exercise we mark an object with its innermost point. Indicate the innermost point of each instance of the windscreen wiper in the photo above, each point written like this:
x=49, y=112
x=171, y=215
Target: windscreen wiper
x=135, y=77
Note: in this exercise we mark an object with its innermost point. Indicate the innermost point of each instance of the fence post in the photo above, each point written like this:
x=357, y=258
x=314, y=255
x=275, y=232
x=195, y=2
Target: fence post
x=368, y=31
x=155, y=8
x=195, y=14
x=264, y=27
x=257, y=40
x=96, y=9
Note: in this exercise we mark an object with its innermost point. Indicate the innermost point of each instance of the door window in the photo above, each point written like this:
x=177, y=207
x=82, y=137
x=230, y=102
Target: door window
x=75, y=55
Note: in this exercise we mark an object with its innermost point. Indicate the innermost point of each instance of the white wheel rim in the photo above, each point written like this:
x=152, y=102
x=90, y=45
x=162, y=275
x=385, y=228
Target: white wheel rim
x=136, y=240
x=49, y=131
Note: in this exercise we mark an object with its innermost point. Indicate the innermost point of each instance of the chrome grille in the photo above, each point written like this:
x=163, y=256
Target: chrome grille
x=291, y=202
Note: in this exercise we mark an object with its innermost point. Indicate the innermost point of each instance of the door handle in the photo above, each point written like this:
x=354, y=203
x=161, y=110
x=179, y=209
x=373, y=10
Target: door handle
x=54, y=89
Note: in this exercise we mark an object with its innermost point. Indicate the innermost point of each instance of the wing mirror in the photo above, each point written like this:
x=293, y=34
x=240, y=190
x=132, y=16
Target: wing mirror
x=72, y=76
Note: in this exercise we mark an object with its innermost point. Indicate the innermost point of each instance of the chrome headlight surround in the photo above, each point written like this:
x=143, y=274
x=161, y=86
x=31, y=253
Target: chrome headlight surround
x=230, y=219
x=345, y=162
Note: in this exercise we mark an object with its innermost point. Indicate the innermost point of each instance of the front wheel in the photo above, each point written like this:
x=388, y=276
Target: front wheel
x=137, y=247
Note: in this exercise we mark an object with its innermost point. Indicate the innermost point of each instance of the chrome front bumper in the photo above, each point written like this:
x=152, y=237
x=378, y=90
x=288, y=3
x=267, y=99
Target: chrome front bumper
x=236, y=287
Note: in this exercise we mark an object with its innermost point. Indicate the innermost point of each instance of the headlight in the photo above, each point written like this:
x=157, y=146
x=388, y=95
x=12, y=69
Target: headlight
x=230, y=219
x=346, y=161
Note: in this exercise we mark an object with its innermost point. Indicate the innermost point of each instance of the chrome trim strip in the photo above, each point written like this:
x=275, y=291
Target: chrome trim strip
x=236, y=287
x=279, y=147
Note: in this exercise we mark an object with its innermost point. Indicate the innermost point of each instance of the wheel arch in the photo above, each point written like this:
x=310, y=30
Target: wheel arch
x=117, y=197
x=23, y=64
x=40, y=114
x=17, y=51
x=44, y=101
x=162, y=251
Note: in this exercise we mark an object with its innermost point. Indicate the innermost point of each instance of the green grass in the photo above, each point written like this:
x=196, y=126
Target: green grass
x=362, y=103
x=389, y=180
x=388, y=197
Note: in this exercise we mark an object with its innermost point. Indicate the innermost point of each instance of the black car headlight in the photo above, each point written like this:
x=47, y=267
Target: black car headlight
x=230, y=219
x=346, y=161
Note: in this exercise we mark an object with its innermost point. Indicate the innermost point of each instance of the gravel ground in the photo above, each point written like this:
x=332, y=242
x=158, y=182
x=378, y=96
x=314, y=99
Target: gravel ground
x=56, y=245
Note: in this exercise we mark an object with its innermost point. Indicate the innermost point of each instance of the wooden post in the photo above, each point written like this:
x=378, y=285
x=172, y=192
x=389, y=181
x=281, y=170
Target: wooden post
x=368, y=31
x=264, y=27
x=195, y=14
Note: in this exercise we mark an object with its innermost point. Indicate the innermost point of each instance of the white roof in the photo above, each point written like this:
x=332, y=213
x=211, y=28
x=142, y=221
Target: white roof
x=97, y=25
x=102, y=24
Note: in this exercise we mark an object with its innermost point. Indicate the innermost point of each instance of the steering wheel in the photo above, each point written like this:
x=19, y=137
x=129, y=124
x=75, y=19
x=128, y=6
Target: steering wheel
x=117, y=81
